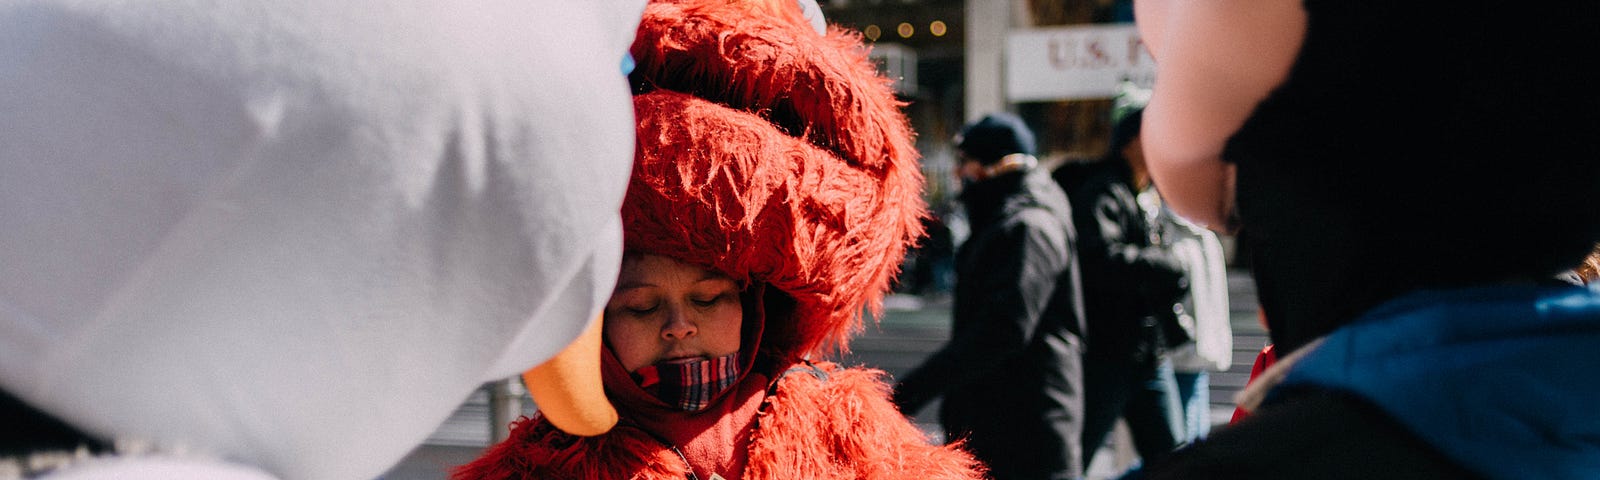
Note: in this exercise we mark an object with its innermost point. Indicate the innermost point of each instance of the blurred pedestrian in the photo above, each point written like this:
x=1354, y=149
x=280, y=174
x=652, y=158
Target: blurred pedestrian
x=1009, y=377
x=1131, y=284
x=1203, y=313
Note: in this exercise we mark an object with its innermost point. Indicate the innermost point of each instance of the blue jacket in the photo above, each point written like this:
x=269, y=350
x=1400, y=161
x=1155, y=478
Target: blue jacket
x=1502, y=380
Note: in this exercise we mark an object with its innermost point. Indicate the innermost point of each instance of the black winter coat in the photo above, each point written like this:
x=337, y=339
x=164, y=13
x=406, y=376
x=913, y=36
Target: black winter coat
x=1128, y=280
x=1011, y=375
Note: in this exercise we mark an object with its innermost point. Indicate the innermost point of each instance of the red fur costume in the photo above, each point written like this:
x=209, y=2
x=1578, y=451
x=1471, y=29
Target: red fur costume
x=779, y=157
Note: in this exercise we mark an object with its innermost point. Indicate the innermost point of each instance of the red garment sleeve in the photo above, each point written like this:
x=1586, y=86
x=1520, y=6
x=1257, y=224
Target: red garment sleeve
x=1264, y=360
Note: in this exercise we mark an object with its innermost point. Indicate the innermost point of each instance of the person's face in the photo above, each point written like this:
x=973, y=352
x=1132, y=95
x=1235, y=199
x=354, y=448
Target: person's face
x=665, y=309
x=968, y=170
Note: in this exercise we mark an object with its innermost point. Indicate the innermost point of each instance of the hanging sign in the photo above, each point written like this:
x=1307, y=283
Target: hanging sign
x=1075, y=63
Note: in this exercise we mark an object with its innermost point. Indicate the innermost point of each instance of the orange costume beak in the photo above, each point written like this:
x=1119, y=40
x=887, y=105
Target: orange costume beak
x=568, y=390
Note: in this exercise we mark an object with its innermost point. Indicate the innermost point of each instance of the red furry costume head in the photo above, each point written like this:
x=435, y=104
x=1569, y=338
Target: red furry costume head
x=778, y=157
x=775, y=155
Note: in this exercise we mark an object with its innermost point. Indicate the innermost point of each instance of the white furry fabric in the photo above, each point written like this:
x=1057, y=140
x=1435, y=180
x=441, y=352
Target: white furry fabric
x=295, y=234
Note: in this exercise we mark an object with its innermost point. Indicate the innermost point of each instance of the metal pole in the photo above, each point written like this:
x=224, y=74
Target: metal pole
x=987, y=22
x=505, y=405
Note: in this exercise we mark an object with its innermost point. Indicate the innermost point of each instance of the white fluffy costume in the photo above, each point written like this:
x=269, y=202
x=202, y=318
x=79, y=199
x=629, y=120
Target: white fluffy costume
x=290, y=237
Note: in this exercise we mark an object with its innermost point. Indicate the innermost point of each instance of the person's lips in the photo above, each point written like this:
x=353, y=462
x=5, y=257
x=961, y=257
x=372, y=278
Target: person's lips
x=682, y=359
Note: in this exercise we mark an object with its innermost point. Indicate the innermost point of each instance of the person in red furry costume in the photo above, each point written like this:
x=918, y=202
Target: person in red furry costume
x=774, y=194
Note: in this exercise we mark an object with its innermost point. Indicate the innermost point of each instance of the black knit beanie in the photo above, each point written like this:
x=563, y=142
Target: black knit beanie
x=994, y=136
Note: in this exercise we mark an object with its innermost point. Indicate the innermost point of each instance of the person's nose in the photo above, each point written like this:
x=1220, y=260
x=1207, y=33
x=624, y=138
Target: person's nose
x=679, y=326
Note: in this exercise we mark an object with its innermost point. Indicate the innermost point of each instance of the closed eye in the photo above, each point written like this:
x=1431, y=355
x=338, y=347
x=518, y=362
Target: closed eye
x=706, y=302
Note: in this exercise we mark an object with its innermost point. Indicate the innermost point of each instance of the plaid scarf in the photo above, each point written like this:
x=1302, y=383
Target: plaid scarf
x=689, y=385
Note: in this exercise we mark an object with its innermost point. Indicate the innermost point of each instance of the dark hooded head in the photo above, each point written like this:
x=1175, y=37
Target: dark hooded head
x=1123, y=132
x=995, y=136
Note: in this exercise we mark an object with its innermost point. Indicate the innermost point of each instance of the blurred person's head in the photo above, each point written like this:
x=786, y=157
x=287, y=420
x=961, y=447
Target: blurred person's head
x=997, y=143
x=1125, y=146
x=1589, y=270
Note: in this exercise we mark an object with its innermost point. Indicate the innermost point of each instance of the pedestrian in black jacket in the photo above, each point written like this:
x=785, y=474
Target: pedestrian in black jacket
x=1130, y=284
x=1010, y=376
